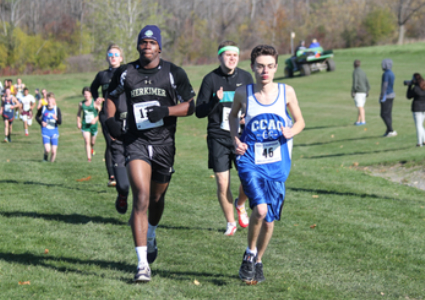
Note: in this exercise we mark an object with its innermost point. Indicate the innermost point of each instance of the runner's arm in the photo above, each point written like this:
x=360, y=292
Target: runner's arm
x=38, y=116
x=59, y=116
x=79, y=116
x=240, y=95
x=94, y=87
x=206, y=102
x=294, y=109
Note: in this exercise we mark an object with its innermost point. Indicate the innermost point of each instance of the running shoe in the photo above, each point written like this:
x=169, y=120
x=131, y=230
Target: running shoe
x=93, y=153
x=242, y=215
x=247, y=269
x=360, y=123
x=5, y=140
x=89, y=159
x=230, y=231
x=143, y=274
x=112, y=182
x=391, y=133
x=152, y=250
x=121, y=204
x=259, y=276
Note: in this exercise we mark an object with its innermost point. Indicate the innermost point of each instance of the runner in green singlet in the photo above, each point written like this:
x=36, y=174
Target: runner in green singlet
x=88, y=121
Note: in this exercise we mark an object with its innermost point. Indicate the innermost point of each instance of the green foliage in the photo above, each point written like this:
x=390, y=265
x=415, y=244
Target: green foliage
x=380, y=24
x=25, y=51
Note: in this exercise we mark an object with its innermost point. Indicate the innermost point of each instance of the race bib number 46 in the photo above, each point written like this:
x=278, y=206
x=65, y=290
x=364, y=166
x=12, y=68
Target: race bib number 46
x=268, y=152
x=141, y=115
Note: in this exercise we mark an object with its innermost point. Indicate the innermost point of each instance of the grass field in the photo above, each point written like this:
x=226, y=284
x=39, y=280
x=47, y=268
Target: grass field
x=368, y=242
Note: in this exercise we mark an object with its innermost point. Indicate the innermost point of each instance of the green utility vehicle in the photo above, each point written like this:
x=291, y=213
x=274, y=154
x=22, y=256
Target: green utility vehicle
x=310, y=60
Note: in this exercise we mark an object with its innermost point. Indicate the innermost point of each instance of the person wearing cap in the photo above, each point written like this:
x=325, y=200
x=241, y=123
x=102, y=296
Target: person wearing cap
x=102, y=80
x=214, y=101
x=157, y=92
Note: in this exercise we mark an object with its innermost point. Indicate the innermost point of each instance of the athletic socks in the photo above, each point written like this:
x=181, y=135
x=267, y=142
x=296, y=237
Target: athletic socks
x=231, y=224
x=142, y=253
x=45, y=156
x=253, y=252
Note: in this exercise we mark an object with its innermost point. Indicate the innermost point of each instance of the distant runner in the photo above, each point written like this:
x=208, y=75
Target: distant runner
x=87, y=117
x=49, y=117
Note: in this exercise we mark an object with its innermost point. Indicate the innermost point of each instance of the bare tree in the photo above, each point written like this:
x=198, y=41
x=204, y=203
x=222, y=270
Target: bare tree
x=405, y=9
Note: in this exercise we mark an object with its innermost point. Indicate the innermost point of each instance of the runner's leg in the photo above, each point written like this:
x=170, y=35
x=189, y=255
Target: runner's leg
x=224, y=194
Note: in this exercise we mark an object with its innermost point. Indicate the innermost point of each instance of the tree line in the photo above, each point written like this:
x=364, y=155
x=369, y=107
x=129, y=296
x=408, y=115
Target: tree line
x=44, y=35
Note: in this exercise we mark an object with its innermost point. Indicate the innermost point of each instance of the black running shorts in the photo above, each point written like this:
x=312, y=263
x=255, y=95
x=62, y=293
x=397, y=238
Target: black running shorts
x=160, y=157
x=221, y=153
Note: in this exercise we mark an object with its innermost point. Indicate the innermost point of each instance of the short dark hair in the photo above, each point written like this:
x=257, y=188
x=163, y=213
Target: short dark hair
x=85, y=89
x=50, y=95
x=25, y=89
x=263, y=50
x=226, y=43
x=357, y=63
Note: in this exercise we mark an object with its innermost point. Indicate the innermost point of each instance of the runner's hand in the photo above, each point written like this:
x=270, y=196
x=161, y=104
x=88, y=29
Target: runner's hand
x=220, y=93
x=44, y=124
x=157, y=113
x=240, y=148
x=287, y=132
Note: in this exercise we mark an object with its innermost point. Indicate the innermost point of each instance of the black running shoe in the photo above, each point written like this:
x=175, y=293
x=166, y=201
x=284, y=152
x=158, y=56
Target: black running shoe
x=121, y=204
x=259, y=277
x=247, y=269
x=152, y=252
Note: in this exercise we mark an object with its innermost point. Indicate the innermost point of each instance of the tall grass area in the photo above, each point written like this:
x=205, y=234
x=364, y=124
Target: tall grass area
x=65, y=237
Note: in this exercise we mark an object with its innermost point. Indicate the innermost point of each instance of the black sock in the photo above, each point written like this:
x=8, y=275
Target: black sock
x=45, y=156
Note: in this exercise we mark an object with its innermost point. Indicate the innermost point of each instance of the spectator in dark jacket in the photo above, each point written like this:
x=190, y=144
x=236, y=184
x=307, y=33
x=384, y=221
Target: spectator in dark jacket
x=416, y=90
x=387, y=96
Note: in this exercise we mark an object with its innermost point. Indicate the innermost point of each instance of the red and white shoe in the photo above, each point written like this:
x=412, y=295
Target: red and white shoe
x=242, y=215
x=230, y=231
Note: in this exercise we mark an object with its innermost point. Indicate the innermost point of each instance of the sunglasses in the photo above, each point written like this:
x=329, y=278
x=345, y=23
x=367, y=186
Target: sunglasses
x=112, y=54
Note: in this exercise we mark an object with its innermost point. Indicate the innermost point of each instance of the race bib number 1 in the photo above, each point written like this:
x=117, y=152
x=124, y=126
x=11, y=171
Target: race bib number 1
x=225, y=119
x=268, y=152
x=141, y=115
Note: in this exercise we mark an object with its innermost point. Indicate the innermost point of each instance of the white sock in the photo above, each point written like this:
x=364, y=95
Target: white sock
x=253, y=252
x=231, y=224
x=26, y=130
x=142, y=253
x=151, y=231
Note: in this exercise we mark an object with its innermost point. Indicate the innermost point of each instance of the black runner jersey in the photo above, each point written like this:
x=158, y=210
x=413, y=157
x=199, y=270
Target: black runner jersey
x=217, y=110
x=165, y=85
x=102, y=79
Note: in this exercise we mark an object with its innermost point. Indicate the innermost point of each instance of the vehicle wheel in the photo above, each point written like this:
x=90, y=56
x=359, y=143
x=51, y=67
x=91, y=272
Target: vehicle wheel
x=288, y=72
x=331, y=65
x=305, y=70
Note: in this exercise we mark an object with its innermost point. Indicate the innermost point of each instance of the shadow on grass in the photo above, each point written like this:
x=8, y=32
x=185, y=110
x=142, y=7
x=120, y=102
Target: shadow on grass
x=52, y=185
x=49, y=261
x=356, y=153
x=338, y=141
x=70, y=219
x=325, y=192
x=190, y=228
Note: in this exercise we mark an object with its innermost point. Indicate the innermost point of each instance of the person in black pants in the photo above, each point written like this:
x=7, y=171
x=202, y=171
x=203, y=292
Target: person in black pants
x=102, y=79
x=387, y=96
x=416, y=90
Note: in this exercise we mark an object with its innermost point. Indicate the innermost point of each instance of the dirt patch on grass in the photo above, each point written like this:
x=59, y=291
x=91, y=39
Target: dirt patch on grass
x=407, y=174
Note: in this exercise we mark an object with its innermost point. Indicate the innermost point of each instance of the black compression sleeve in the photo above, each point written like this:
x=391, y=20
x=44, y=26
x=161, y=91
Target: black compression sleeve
x=94, y=88
x=59, y=116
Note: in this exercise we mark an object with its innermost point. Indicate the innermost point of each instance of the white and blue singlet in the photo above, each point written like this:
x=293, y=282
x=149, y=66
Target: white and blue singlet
x=265, y=166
